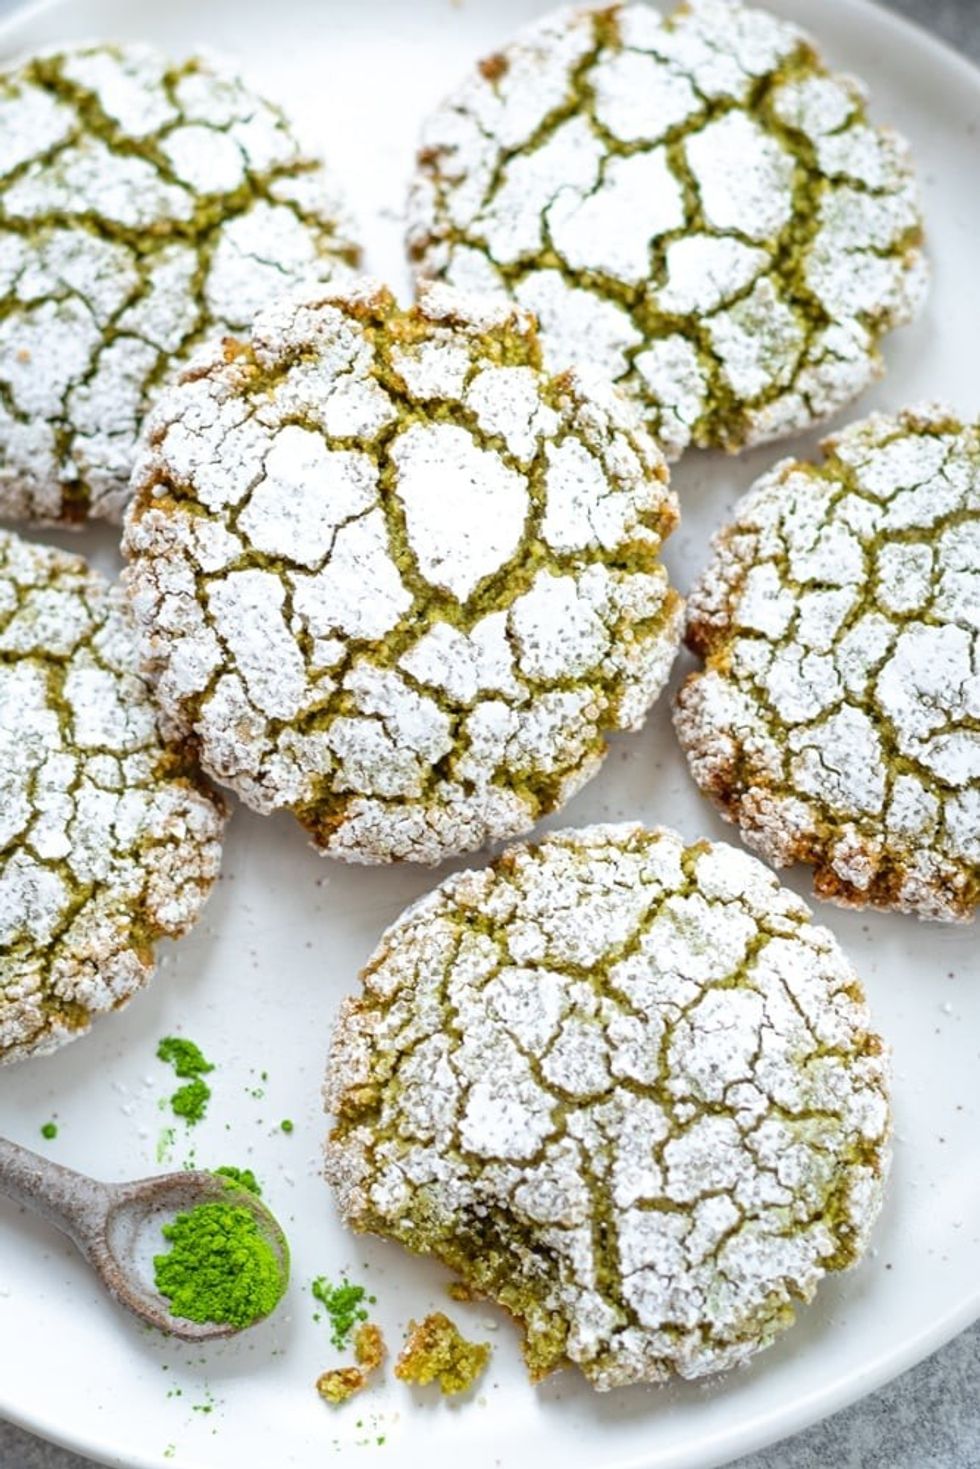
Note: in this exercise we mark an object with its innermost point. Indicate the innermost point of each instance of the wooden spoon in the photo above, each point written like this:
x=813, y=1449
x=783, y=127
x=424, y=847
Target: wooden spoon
x=108, y=1222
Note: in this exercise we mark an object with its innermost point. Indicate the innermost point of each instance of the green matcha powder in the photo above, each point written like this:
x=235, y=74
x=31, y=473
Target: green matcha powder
x=220, y=1267
x=190, y=1100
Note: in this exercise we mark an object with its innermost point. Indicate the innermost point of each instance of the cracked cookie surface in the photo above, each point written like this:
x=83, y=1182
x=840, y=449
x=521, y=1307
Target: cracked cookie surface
x=837, y=718
x=692, y=203
x=110, y=840
x=393, y=577
x=145, y=204
x=623, y=1087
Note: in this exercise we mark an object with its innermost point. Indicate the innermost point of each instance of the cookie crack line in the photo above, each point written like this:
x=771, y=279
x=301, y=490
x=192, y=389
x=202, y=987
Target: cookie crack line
x=621, y=1086
x=146, y=206
x=837, y=717
x=391, y=575
x=692, y=201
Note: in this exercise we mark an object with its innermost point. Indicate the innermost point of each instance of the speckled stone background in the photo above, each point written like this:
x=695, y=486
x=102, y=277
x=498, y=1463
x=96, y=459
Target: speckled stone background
x=928, y=1419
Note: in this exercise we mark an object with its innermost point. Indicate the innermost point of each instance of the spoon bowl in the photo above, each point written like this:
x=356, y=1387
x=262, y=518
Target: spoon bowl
x=116, y=1226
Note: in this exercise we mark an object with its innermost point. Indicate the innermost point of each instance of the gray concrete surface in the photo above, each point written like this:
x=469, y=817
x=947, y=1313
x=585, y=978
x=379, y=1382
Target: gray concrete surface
x=930, y=1417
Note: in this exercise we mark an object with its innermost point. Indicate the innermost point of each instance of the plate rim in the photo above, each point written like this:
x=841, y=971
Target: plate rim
x=752, y=1436
x=804, y=1411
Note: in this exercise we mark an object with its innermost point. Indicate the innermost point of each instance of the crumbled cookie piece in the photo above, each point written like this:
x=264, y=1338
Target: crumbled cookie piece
x=393, y=577
x=340, y=1384
x=369, y=1346
x=836, y=718
x=691, y=202
x=110, y=839
x=621, y=1086
x=436, y=1351
x=145, y=205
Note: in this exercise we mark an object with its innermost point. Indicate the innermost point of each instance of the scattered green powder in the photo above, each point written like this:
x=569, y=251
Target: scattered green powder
x=343, y=1304
x=220, y=1267
x=286, y=1125
x=244, y=1177
x=191, y=1100
x=49, y=1130
x=184, y=1056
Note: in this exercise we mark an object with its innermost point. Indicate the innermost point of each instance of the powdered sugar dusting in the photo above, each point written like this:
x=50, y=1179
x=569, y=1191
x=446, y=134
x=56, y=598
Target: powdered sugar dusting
x=836, y=718
x=109, y=840
x=392, y=576
x=690, y=202
x=146, y=205
x=622, y=1086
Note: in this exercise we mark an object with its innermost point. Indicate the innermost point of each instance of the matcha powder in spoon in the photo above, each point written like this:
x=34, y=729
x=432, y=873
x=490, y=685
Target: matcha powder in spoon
x=220, y=1266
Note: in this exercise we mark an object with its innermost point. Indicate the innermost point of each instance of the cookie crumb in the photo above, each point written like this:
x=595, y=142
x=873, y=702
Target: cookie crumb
x=436, y=1351
x=340, y=1384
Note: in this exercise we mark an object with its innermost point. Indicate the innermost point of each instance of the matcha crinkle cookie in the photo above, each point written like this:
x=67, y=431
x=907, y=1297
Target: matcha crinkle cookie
x=110, y=840
x=392, y=576
x=144, y=205
x=690, y=201
x=622, y=1086
x=837, y=717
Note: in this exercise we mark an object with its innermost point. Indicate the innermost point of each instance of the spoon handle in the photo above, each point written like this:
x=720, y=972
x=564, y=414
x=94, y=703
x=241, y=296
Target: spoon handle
x=75, y=1204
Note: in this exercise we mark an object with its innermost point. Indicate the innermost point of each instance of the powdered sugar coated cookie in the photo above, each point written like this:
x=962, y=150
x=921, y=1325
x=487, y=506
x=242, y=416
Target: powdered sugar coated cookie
x=145, y=204
x=836, y=718
x=392, y=576
x=623, y=1087
x=690, y=202
x=110, y=840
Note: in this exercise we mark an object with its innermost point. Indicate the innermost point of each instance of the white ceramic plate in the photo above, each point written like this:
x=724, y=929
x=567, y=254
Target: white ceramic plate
x=283, y=938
